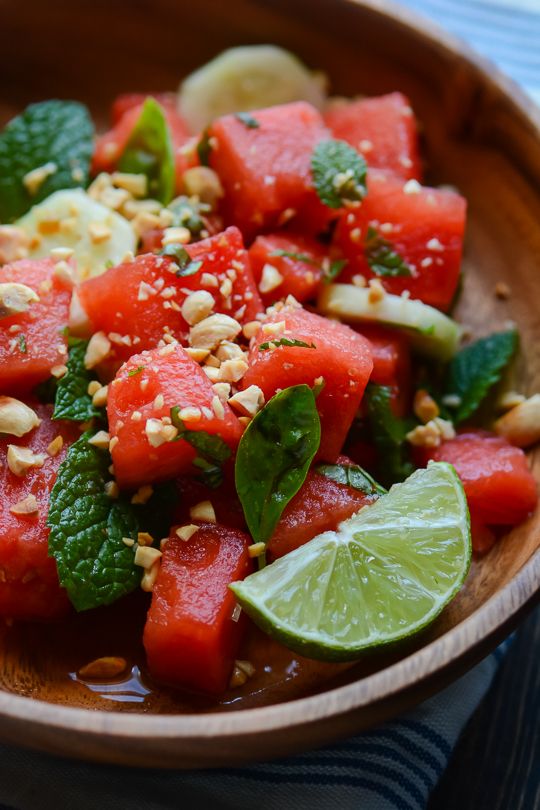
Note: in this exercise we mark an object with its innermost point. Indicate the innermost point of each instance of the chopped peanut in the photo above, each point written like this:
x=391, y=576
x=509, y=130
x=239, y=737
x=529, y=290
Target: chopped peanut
x=210, y=332
x=186, y=532
x=32, y=181
x=28, y=506
x=98, y=349
x=197, y=306
x=99, y=232
x=431, y=434
x=271, y=278
x=204, y=183
x=249, y=401
x=14, y=244
x=203, y=511
x=55, y=446
x=424, y=406
x=22, y=459
x=100, y=397
x=100, y=439
x=15, y=298
x=146, y=556
x=144, y=539
x=112, y=490
x=256, y=549
x=59, y=371
x=16, y=418
x=232, y=371
x=521, y=425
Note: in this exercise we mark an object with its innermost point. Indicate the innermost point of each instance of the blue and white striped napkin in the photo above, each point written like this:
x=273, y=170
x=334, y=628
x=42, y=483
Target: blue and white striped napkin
x=394, y=767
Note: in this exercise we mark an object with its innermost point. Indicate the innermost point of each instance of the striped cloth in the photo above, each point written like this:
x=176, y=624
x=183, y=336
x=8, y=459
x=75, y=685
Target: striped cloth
x=394, y=767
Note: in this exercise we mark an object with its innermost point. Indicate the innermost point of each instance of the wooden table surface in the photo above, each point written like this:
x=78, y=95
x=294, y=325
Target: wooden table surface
x=496, y=764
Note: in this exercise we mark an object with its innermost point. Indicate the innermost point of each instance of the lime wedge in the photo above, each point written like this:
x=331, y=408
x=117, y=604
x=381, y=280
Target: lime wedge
x=385, y=574
x=431, y=332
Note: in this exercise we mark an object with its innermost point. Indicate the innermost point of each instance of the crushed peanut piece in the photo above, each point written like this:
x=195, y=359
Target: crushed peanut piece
x=99, y=347
x=186, y=532
x=197, y=354
x=197, y=306
x=55, y=446
x=28, y=506
x=99, y=232
x=217, y=407
x=146, y=556
x=22, y=459
x=509, y=400
x=32, y=181
x=271, y=278
x=210, y=332
x=203, y=511
x=143, y=494
x=150, y=576
x=112, y=490
x=14, y=244
x=521, y=425
x=250, y=329
x=232, y=371
x=424, y=406
x=145, y=539
x=190, y=414
x=204, y=183
x=256, y=549
x=128, y=541
x=59, y=371
x=100, y=439
x=93, y=386
x=432, y=433
x=65, y=272
x=104, y=668
x=15, y=298
x=175, y=236
x=229, y=351
x=248, y=402
x=99, y=399
x=222, y=390
x=135, y=184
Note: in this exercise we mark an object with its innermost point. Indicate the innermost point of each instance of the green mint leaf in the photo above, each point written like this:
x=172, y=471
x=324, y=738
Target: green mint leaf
x=212, y=451
x=334, y=270
x=297, y=257
x=388, y=433
x=247, y=120
x=59, y=133
x=46, y=391
x=186, y=267
x=135, y=371
x=21, y=339
x=189, y=213
x=476, y=368
x=382, y=258
x=273, y=344
x=351, y=475
x=339, y=173
x=72, y=400
x=86, y=530
x=149, y=151
x=204, y=148
x=274, y=456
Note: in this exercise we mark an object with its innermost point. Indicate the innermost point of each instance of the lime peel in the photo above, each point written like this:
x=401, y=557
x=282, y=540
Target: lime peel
x=384, y=575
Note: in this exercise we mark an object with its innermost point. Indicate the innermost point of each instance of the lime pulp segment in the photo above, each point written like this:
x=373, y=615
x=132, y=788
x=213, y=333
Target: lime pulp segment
x=384, y=575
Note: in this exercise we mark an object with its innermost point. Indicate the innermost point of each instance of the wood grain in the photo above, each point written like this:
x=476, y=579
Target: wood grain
x=481, y=135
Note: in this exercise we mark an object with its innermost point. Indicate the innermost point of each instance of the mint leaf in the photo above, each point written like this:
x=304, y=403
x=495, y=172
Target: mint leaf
x=382, y=258
x=204, y=148
x=135, y=371
x=339, y=173
x=476, y=368
x=186, y=267
x=156, y=515
x=297, y=257
x=273, y=344
x=247, y=120
x=149, y=151
x=212, y=450
x=189, y=213
x=21, y=339
x=274, y=455
x=72, y=400
x=334, y=270
x=388, y=432
x=86, y=530
x=57, y=132
x=351, y=475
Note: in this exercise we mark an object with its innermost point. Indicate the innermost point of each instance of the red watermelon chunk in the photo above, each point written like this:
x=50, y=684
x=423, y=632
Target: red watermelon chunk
x=146, y=388
x=391, y=363
x=266, y=170
x=382, y=129
x=33, y=342
x=499, y=485
x=301, y=270
x=320, y=506
x=191, y=637
x=29, y=587
x=341, y=357
x=424, y=226
x=140, y=300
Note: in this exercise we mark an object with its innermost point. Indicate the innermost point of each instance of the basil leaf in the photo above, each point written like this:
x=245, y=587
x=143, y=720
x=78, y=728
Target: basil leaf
x=59, y=133
x=351, y=475
x=247, y=120
x=297, y=257
x=149, y=151
x=382, y=258
x=388, y=433
x=339, y=173
x=72, y=400
x=212, y=450
x=476, y=368
x=273, y=344
x=274, y=456
x=186, y=267
x=86, y=530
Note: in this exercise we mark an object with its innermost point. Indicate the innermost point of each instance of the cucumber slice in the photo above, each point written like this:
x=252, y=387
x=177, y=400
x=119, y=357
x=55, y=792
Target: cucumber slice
x=247, y=78
x=432, y=333
x=62, y=220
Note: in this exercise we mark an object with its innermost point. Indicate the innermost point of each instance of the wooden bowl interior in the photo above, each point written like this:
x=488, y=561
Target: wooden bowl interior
x=473, y=138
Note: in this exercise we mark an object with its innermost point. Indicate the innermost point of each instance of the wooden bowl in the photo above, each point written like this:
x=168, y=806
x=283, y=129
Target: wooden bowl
x=482, y=135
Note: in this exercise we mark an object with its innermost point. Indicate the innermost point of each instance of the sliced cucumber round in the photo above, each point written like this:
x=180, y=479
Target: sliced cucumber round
x=431, y=332
x=63, y=220
x=247, y=78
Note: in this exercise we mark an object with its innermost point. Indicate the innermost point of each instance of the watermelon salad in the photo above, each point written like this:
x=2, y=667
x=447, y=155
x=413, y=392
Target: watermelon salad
x=225, y=328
